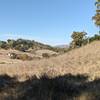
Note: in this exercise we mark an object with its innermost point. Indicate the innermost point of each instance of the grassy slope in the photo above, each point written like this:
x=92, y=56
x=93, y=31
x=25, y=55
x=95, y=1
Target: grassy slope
x=81, y=60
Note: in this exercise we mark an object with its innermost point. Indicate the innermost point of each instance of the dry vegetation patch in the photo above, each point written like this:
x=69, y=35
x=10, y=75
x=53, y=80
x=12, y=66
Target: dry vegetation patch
x=85, y=60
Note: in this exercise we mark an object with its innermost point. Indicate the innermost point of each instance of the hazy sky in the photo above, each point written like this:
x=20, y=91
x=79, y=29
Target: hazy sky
x=47, y=21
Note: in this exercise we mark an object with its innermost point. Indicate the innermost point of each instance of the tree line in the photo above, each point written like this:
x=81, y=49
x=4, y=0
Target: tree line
x=22, y=44
x=25, y=45
x=80, y=39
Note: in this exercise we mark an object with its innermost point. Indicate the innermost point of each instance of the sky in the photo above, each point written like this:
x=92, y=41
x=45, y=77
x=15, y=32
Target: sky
x=47, y=21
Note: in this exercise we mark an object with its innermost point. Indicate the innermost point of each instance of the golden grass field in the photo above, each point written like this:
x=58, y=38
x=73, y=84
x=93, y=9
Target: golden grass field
x=85, y=60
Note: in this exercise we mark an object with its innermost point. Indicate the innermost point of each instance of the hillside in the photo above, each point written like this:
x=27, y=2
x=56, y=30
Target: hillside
x=28, y=45
x=85, y=60
x=81, y=60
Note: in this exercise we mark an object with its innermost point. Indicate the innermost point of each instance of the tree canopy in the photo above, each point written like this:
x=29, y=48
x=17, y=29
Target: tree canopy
x=96, y=17
x=78, y=39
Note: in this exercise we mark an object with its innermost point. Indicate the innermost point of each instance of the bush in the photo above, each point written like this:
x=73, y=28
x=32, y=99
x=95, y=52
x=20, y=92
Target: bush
x=24, y=57
x=20, y=56
x=13, y=55
x=45, y=55
x=21, y=48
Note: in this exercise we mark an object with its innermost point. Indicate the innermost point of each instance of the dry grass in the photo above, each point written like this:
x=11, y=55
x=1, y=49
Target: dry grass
x=67, y=87
x=85, y=60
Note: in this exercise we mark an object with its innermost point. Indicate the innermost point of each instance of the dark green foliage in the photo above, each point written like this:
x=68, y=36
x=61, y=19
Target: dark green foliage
x=3, y=45
x=11, y=43
x=96, y=17
x=21, y=47
x=24, y=45
x=79, y=39
x=95, y=37
x=83, y=40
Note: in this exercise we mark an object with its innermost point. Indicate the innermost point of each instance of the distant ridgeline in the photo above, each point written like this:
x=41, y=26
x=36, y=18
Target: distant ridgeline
x=26, y=45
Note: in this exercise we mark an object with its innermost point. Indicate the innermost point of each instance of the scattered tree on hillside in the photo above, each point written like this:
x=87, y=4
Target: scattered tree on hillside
x=3, y=45
x=11, y=43
x=96, y=18
x=79, y=39
x=27, y=45
x=95, y=37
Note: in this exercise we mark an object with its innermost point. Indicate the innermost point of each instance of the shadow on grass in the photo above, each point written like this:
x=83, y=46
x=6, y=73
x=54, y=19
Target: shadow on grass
x=67, y=87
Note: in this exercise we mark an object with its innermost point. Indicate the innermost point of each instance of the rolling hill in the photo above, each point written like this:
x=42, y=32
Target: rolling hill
x=84, y=60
